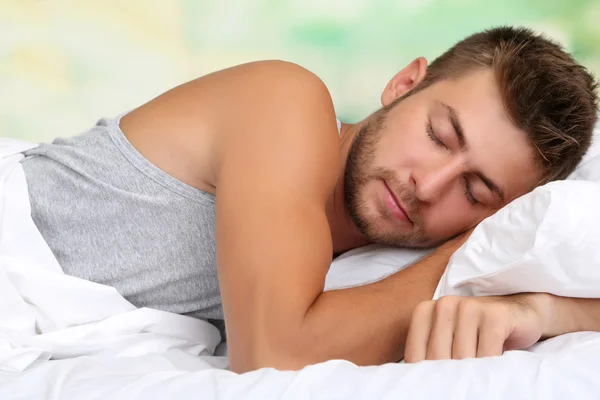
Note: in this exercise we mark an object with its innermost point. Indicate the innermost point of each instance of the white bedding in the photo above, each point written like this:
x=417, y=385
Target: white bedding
x=65, y=338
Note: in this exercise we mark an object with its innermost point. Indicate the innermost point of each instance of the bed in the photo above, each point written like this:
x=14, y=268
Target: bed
x=65, y=338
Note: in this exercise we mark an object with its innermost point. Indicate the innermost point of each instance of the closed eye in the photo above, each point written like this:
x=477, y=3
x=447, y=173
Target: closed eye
x=434, y=137
x=468, y=192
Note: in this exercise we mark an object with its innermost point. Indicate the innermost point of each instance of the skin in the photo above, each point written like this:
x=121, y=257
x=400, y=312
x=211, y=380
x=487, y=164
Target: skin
x=262, y=137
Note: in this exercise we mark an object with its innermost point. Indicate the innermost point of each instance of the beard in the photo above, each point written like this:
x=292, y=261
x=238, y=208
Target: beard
x=360, y=171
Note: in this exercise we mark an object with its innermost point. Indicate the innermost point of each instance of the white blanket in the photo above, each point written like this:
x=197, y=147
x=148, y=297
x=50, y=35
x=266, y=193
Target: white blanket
x=63, y=337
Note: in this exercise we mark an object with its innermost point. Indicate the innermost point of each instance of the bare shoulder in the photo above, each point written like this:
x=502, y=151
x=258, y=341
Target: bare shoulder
x=262, y=106
x=285, y=131
x=279, y=98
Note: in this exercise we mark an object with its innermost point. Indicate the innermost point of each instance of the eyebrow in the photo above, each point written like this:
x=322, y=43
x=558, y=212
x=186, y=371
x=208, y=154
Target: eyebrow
x=455, y=121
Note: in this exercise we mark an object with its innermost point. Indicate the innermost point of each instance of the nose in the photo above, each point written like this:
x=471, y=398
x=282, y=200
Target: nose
x=433, y=180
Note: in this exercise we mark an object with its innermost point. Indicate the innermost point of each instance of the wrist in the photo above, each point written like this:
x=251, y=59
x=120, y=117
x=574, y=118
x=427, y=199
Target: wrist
x=546, y=305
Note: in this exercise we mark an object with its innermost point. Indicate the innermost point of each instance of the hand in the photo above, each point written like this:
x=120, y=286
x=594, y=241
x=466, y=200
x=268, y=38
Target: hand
x=456, y=327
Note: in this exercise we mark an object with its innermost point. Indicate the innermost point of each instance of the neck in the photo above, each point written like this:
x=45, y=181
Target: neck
x=344, y=233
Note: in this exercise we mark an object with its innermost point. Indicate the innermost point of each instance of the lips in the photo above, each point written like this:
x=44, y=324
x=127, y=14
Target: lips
x=395, y=206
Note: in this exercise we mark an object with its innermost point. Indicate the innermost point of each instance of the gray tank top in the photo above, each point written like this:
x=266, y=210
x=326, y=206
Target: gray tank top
x=112, y=217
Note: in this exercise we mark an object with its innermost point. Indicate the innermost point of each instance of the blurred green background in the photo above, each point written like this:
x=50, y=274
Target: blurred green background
x=65, y=64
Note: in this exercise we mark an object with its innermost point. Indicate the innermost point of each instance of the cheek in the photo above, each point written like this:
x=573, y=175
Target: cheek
x=370, y=197
x=404, y=149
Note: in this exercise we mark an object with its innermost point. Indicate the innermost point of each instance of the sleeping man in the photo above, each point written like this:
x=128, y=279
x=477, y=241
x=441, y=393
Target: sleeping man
x=227, y=197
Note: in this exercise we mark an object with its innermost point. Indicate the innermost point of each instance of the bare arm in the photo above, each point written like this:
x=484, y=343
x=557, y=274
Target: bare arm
x=274, y=248
x=274, y=160
x=567, y=315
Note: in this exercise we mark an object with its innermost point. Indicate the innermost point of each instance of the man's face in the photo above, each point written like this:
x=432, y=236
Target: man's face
x=437, y=163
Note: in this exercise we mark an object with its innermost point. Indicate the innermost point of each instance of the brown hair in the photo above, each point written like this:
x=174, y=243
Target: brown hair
x=546, y=93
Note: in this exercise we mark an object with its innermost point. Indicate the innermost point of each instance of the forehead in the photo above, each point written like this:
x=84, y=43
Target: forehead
x=496, y=147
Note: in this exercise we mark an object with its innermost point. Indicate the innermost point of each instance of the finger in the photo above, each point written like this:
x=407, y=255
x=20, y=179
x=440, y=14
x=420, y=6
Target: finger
x=442, y=329
x=492, y=335
x=467, y=330
x=418, y=332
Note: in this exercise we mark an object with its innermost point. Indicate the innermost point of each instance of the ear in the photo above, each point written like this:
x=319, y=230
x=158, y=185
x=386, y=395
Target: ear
x=404, y=81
